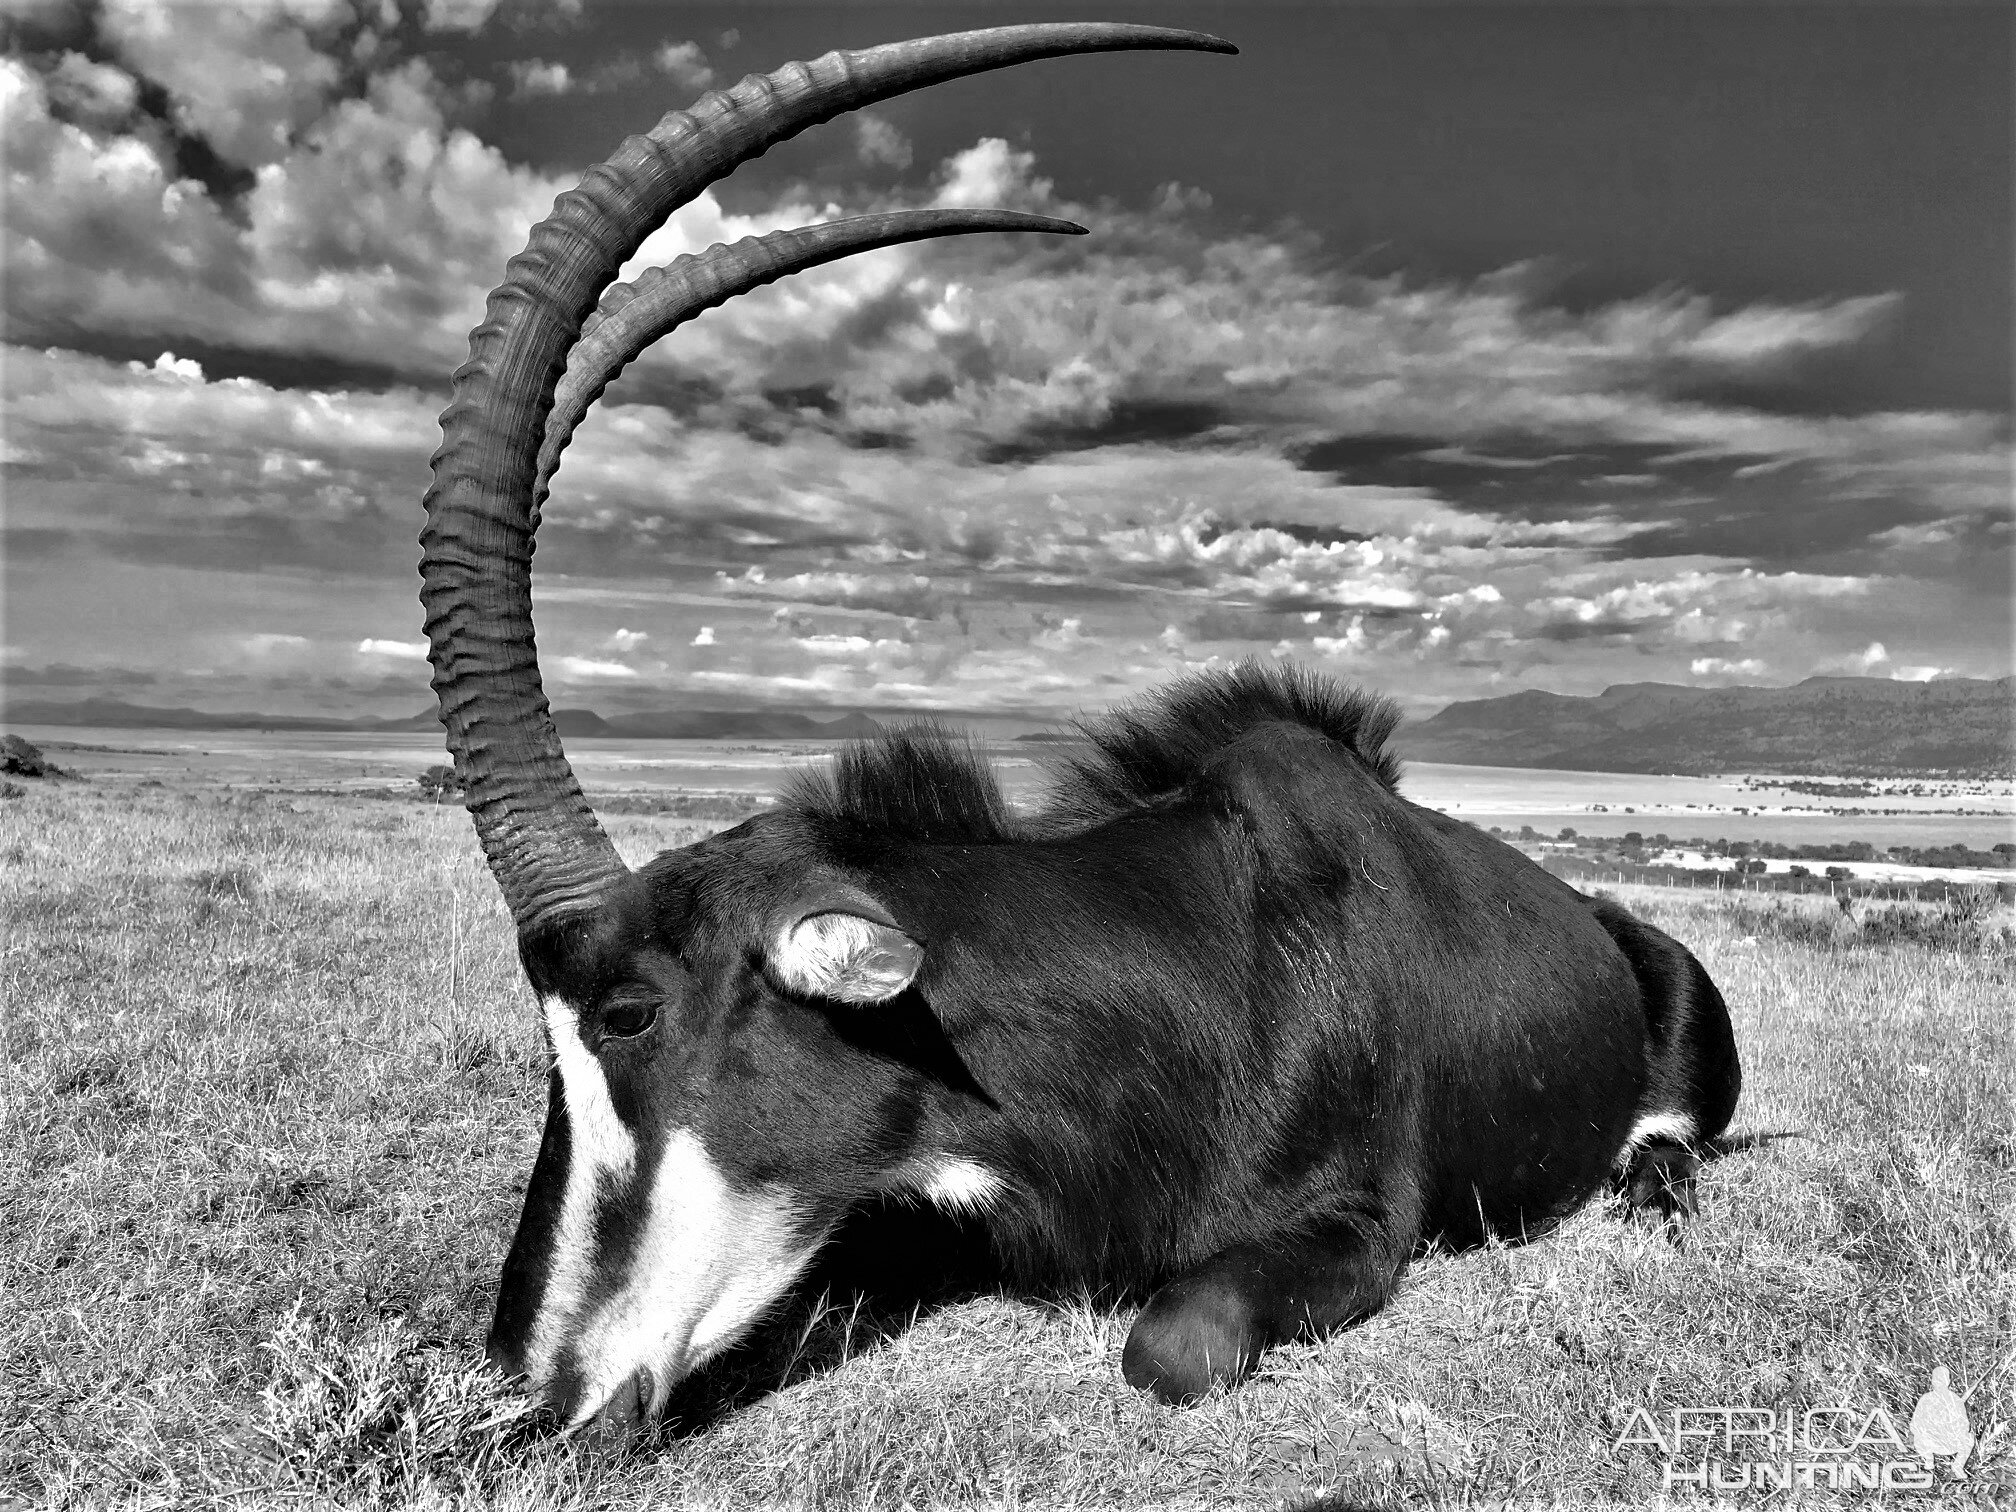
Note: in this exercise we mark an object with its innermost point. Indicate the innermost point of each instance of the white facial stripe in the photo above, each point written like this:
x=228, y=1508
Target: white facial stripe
x=846, y=957
x=1651, y=1126
x=961, y=1186
x=709, y=1261
x=599, y=1147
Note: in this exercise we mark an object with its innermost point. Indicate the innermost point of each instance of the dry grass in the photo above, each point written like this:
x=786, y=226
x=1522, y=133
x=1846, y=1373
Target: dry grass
x=274, y=1086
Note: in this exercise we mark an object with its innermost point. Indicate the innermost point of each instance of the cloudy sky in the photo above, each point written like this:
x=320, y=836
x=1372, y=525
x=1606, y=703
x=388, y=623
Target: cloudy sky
x=1456, y=350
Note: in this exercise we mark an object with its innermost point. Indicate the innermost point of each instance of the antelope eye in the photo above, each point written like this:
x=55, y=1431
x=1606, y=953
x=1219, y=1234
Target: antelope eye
x=626, y=1018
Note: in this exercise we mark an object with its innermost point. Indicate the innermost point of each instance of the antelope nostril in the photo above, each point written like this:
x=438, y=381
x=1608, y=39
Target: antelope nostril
x=625, y=1412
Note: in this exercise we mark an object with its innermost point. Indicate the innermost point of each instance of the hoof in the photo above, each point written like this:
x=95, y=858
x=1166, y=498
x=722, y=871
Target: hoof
x=1194, y=1334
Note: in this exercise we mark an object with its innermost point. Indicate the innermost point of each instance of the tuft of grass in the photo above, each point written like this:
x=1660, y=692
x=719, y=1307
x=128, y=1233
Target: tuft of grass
x=467, y=1049
x=383, y=1417
x=219, y=890
x=237, y=883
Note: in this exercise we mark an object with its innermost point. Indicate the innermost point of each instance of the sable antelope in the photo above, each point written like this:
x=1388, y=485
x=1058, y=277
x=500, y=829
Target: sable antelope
x=1230, y=1021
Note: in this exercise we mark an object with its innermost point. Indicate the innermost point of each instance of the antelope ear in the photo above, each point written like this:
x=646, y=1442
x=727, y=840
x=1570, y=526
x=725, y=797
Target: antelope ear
x=846, y=957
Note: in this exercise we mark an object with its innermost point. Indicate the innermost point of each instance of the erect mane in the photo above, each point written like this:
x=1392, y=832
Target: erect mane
x=1158, y=744
x=927, y=785
x=918, y=782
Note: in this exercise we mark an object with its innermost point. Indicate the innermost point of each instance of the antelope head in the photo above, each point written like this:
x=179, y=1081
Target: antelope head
x=655, y=1230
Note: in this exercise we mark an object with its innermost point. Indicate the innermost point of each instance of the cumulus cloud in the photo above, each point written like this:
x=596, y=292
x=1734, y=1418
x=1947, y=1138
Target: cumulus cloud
x=371, y=230
x=990, y=172
x=407, y=650
x=684, y=64
x=1715, y=666
x=1066, y=634
x=232, y=430
x=81, y=206
x=880, y=143
x=1682, y=598
x=377, y=231
x=1353, y=642
x=532, y=77
x=458, y=15
x=99, y=94
x=1172, y=334
x=1874, y=660
x=245, y=78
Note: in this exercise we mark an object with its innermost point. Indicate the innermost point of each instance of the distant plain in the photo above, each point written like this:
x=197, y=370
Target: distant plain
x=1975, y=812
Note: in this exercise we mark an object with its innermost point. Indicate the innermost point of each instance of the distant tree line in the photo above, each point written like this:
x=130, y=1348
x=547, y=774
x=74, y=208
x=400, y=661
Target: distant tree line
x=1631, y=858
x=1635, y=846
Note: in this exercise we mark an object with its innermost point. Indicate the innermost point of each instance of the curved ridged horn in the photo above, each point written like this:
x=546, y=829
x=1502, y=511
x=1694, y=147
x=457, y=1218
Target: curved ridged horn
x=549, y=855
x=632, y=316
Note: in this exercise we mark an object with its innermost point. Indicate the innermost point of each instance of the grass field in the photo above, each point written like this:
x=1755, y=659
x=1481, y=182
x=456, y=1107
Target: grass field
x=274, y=1084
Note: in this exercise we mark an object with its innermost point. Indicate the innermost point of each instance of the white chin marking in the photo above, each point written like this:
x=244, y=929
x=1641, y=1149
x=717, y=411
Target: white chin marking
x=599, y=1148
x=709, y=1261
x=1651, y=1126
x=961, y=1186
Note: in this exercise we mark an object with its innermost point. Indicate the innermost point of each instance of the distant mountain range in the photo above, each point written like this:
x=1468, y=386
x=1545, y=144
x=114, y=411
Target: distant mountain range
x=1845, y=726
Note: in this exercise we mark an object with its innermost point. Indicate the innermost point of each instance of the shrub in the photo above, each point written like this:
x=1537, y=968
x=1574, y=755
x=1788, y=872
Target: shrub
x=1784, y=920
x=1964, y=921
x=20, y=759
x=439, y=783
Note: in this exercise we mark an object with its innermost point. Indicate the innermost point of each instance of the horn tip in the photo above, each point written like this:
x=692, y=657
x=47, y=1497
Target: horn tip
x=1128, y=34
x=1205, y=42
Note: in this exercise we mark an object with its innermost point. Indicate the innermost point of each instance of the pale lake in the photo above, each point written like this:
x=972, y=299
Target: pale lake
x=1920, y=812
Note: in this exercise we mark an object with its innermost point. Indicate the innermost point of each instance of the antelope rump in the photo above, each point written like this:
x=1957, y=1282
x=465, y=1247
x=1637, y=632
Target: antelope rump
x=1228, y=1022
